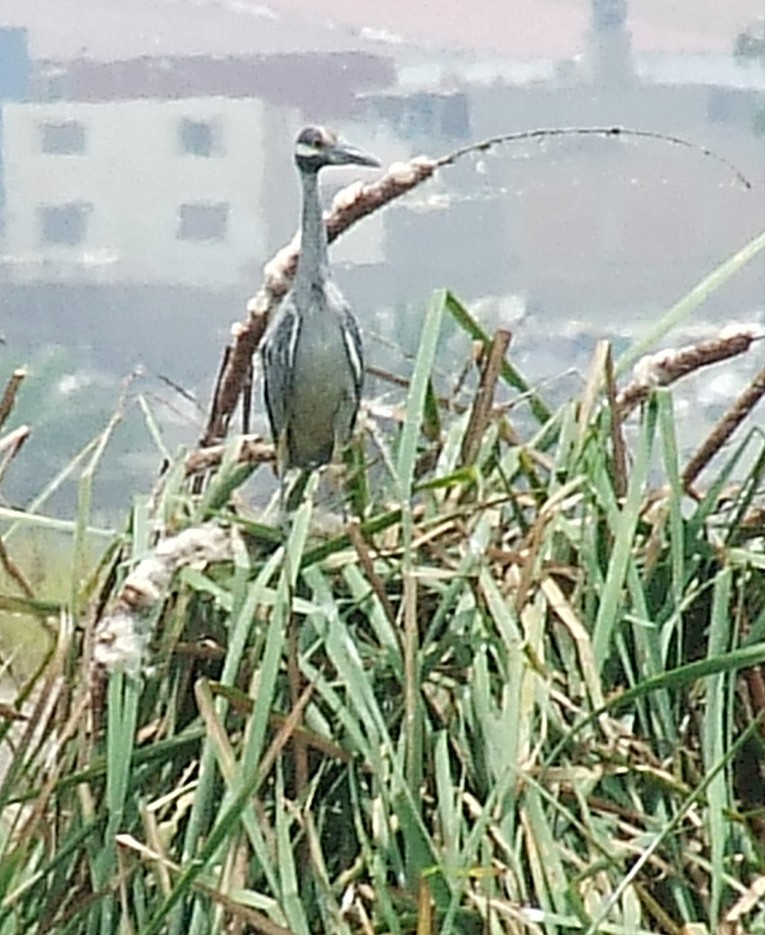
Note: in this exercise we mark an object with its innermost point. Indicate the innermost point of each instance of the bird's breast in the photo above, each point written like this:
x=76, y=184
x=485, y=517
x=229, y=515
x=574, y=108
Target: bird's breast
x=321, y=360
x=323, y=399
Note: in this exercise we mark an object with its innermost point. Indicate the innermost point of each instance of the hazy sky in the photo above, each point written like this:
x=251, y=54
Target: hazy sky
x=654, y=22
x=518, y=28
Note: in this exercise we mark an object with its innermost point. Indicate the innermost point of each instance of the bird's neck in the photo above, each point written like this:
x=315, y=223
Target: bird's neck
x=313, y=262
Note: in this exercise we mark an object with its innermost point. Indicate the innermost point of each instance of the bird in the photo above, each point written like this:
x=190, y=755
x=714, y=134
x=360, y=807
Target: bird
x=312, y=352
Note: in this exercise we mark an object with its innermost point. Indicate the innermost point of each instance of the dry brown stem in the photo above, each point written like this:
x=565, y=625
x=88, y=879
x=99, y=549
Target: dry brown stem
x=120, y=637
x=723, y=430
x=665, y=367
x=252, y=450
x=13, y=571
x=296, y=686
x=484, y=398
x=10, y=392
x=617, y=431
x=10, y=446
x=365, y=558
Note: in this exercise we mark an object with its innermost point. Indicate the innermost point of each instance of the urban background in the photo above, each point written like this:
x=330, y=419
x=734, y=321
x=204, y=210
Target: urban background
x=146, y=176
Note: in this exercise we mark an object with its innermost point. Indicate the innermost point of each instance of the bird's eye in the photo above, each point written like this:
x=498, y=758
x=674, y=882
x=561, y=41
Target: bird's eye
x=311, y=141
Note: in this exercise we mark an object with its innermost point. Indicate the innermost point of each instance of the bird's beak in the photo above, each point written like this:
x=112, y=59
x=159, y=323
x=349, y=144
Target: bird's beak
x=343, y=154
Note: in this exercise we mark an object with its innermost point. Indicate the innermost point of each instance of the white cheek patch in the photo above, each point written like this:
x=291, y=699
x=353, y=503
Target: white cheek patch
x=305, y=151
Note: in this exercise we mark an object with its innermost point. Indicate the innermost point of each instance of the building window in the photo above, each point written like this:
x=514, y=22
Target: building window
x=199, y=138
x=202, y=221
x=455, y=117
x=63, y=139
x=64, y=224
x=55, y=85
x=425, y=114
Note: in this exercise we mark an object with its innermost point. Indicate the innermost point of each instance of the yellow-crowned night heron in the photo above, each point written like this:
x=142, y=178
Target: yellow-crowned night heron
x=312, y=352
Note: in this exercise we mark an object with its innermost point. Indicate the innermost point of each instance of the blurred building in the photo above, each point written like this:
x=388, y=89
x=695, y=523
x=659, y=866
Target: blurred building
x=144, y=191
x=167, y=170
x=141, y=196
x=173, y=170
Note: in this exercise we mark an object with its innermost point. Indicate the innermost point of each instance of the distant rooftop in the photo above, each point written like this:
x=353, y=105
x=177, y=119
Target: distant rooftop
x=322, y=85
x=108, y=30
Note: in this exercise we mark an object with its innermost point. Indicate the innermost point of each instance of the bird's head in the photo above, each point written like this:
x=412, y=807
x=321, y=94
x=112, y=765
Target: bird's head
x=317, y=147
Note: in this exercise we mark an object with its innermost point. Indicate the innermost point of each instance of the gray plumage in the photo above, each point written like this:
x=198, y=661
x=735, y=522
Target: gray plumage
x=312, y=351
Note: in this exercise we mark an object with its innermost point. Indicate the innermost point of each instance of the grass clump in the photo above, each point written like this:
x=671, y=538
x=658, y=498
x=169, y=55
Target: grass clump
x=520, y=691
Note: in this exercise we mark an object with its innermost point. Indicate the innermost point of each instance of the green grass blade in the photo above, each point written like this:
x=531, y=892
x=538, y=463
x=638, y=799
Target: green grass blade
x=690, y=302
x=418, y=388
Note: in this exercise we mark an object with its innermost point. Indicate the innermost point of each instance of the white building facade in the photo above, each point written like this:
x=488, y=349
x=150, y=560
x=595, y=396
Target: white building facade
x=141, y=191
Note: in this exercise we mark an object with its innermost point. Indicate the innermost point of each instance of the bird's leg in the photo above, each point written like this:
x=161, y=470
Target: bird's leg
x=336, y=475
x=293, y=489
x=337, y=501
x=285, y=500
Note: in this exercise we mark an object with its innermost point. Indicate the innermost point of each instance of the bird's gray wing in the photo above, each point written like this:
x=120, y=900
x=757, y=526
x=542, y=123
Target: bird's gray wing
x=278, y=354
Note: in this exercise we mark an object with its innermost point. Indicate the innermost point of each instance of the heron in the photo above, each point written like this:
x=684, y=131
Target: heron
x=312, y=352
